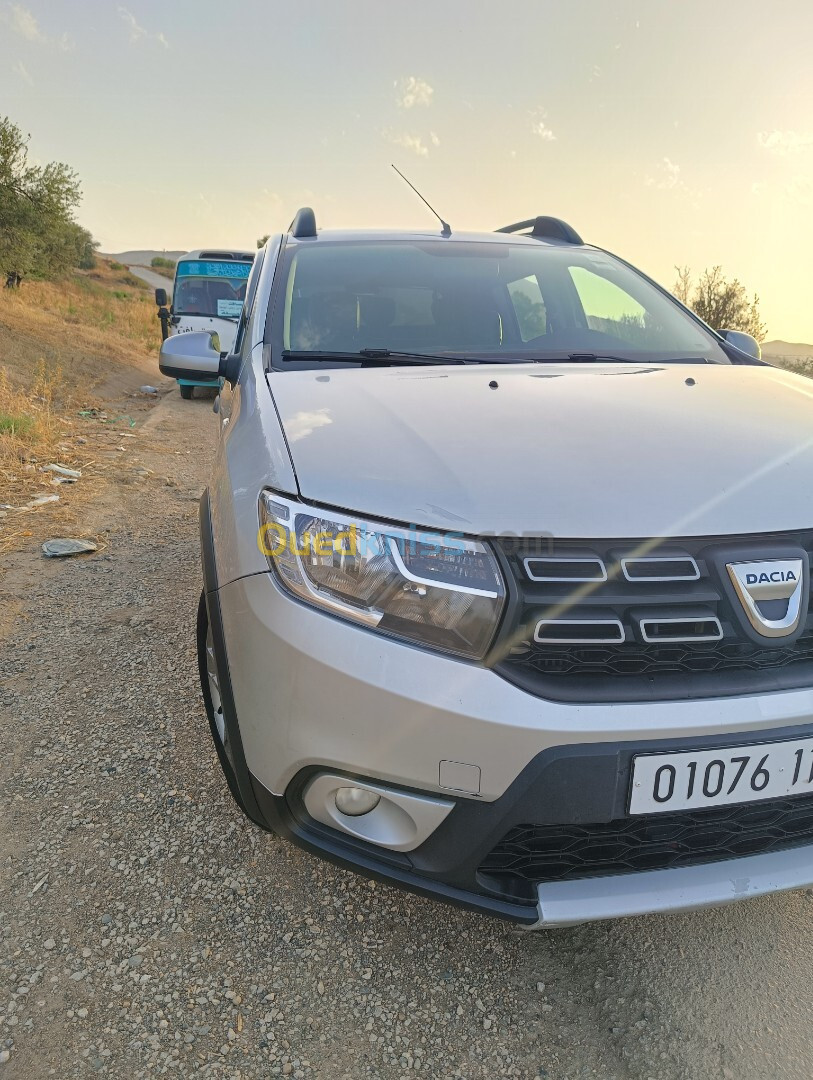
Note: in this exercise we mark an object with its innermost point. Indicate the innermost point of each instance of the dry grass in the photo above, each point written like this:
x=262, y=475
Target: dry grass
x=164, y=271
x=66, y=347
x=26, y=416
x=34, y=431
x=801, y=365
x=101, y=308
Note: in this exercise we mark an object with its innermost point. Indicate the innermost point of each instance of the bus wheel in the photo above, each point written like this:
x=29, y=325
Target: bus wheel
x=186, y=391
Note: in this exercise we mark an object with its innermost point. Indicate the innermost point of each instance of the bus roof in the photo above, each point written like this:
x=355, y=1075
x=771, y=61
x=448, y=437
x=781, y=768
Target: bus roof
x=219, y=255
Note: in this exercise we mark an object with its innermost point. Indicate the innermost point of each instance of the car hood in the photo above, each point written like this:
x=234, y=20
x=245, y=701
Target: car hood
x=567, y=450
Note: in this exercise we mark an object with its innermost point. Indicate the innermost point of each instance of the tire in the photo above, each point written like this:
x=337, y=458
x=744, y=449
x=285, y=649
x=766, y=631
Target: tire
x=209, y=685
x=186, y=391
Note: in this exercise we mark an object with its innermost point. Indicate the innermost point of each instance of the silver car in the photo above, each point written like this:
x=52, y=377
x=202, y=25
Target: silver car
x=506, y=575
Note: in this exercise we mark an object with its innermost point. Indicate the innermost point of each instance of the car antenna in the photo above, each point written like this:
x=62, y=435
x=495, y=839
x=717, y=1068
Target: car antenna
x=447, y=229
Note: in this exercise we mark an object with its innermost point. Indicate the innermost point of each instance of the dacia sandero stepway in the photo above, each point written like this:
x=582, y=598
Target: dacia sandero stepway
x=506, y=575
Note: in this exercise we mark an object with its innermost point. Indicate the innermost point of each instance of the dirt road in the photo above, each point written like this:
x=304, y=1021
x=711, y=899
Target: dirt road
x=155, y=281
x=148, y=929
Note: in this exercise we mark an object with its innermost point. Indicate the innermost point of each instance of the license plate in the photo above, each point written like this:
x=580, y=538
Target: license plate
x=695, y=779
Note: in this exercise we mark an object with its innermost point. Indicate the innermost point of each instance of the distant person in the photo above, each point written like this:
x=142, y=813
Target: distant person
x=13, y=279
x=190, y=299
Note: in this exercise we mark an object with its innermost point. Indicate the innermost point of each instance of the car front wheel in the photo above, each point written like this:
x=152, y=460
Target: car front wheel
x=210, y=688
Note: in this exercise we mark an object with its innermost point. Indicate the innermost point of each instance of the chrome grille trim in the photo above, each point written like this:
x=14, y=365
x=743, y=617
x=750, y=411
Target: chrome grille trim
x=614, y=624
x=683, y=639
x=629, y=561
x=559, y=560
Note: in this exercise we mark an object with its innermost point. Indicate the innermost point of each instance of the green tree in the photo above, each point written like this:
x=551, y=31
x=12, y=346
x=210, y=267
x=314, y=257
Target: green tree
x=261, y=241
x=38, y=234
x=723, y=304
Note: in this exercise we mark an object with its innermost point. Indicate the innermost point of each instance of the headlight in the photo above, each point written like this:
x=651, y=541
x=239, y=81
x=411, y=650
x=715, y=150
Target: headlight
x=434, y=588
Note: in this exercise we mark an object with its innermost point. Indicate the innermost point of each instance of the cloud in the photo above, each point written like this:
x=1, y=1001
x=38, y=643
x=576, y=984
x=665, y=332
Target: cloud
x=785, y=143
x=21, y=71
x=136, y=32
x=409, y=142
x=666, y=177
x=413, y=91
x=434, y=139
x=540, y=127
x=22, y=21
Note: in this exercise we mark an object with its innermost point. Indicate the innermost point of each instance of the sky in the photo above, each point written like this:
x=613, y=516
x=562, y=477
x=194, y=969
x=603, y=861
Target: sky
x=672, y=133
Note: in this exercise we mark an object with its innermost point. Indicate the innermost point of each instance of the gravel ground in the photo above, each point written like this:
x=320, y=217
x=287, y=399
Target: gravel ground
x=149, y=929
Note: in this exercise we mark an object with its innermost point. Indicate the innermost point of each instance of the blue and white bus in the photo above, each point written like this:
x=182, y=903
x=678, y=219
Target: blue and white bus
x=207, y=294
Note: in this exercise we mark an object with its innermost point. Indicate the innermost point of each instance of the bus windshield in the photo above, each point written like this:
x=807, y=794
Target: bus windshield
x=217, y=289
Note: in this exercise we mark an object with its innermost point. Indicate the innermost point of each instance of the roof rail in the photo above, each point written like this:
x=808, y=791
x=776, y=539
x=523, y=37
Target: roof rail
x=304, y=223
x=546, y=228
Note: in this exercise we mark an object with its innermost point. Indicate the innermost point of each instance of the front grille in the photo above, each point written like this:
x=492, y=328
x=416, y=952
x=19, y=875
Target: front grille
x=530, y=854
x=665, y=659
x=638, y=620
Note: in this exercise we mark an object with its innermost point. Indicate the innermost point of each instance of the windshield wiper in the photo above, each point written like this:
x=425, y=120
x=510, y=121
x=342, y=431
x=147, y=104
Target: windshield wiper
x=367, y=356
x=585, y=358
x=592, y=358
x=396, y=356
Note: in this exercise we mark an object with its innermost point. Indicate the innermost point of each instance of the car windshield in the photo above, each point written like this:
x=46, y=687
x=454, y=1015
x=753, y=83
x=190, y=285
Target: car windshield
x=217, y=289
x=479, y=300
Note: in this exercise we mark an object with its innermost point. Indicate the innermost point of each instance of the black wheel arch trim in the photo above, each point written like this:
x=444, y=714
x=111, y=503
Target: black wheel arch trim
x=210, y=590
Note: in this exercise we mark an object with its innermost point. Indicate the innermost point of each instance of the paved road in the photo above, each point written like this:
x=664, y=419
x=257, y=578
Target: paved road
x=148, y=929
x=155, y=281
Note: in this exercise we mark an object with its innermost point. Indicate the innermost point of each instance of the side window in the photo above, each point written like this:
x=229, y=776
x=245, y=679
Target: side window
x=251, y=292
x=609, y=308
x=529, y=307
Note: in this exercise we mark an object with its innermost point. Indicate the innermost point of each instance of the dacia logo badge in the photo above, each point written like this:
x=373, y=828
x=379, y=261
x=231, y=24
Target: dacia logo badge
x=770, y=593
x=765, y=577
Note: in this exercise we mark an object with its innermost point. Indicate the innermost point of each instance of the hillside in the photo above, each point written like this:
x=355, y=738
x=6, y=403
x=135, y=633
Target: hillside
x=143, y=258
x=793, y=356
x=75, y=354
x=786, y=348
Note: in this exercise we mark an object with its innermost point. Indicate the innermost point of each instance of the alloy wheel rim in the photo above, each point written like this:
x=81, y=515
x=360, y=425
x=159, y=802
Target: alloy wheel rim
x=214, y=694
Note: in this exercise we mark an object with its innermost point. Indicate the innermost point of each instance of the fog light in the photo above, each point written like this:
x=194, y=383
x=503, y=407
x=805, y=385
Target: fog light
x=355, y=801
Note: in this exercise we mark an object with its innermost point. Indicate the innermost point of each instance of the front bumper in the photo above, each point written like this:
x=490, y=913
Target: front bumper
x=312, y=690
x=314, y=694
x=567, y=903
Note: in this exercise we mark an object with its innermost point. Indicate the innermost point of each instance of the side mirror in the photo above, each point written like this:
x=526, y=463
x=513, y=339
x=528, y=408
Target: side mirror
x=744, y=342
x=190, y=356
x=161, y=297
